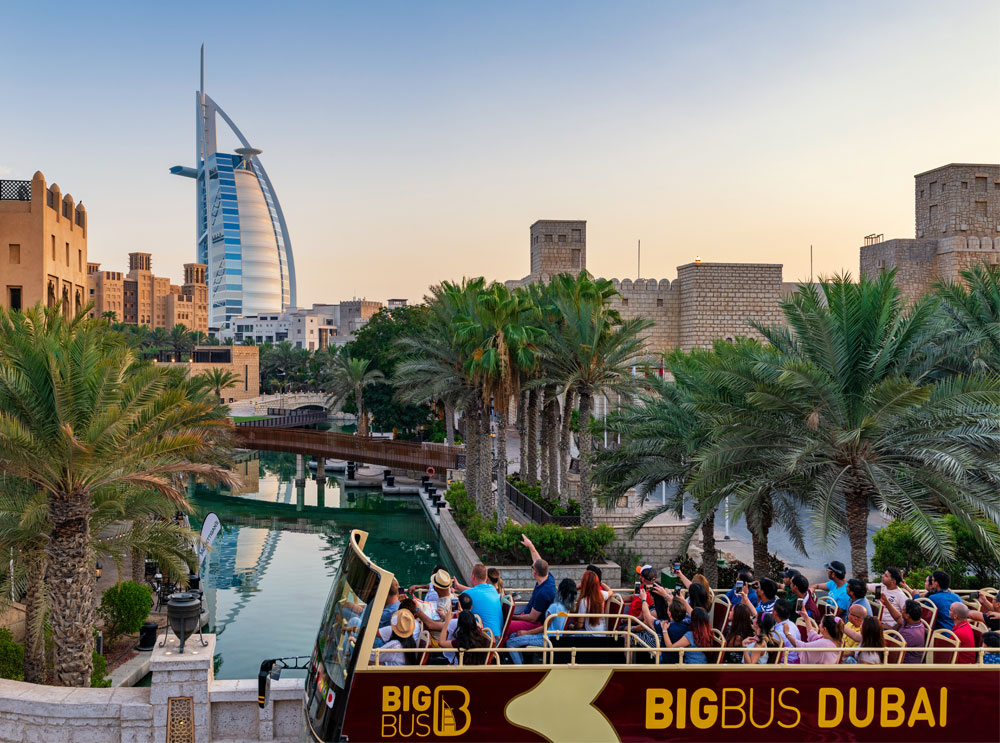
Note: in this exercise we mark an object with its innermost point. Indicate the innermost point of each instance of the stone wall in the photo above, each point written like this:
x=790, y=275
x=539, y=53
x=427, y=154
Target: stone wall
x=959, y=199
x=658, y=301
x=915, y=262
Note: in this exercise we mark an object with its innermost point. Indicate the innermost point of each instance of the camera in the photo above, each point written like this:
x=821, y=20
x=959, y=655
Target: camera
x=878, y=593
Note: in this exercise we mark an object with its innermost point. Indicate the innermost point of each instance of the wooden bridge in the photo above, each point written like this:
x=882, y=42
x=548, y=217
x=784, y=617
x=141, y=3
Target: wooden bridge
x=404, y=455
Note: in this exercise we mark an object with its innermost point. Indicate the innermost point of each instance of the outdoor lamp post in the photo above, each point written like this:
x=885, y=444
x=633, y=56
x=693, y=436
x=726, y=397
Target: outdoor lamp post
x=98, y=570
x=183, y=617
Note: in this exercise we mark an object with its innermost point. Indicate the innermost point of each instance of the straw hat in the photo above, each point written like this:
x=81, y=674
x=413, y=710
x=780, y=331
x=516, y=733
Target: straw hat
x=441, y=579
x=403, y=624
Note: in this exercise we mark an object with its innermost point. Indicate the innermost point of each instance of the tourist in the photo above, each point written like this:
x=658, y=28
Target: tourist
x=391, y=604
x=543, y=594
x=441, y=583
x=801, y=592
x=786, y=582
x=698, y=597
x=783, y=613
x=647, y=578
x=740, y=630
x=493, y=576
x=768, y=596
x=743, y=578
x=857, y=589
x=485, y=600
x=836, y=586
x=698, y=635
x=991, y=606
x=828, y=636
x=870, y=636
x=758, y=649
x=700, y=580
x=890, y=594
x=937, y=585
x=855, y=618
x=911, y=629
x=464, y=604
x=535, y=637
x=663, y=599
x=959, y=614
x=384, y=634
x=428, y=588
x=591, y=601
x=678, y=612
x=403, y=625
x=991, y=640
x=467, y=636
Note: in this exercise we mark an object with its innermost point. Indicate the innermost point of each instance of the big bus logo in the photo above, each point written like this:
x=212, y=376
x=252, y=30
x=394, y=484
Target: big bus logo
x=418, y=712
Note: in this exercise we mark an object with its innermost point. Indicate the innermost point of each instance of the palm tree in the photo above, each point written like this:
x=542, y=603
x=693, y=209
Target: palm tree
x=180, y=342
x=109, y=315
x=588, y=353
x=839, y=412
x=970, y=341
x=217, y=379
x=346, y=376
x=79, y=413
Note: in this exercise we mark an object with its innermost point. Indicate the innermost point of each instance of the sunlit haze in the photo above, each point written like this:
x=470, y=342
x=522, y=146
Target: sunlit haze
x=410, y=142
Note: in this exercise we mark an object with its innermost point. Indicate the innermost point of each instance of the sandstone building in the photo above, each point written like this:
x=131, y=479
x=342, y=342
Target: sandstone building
x=957, y=215
x=43, y=246
x=141, y=298
x=705, y=302
x=242, y=361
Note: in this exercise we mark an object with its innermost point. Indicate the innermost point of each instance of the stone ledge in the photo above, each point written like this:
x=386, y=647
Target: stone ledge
x=237, y=691
x=196, y=657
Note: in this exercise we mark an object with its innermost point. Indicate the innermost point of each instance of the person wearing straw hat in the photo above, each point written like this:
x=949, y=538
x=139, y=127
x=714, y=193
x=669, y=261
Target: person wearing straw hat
x=402, y=638
x=441, y=581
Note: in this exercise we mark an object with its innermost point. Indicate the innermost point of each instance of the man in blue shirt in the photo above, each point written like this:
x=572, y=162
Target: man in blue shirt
x=391, y=605
x=836, y=587
x=485, y=599
x=542, y=595
x=939, y=582
x=746, y=576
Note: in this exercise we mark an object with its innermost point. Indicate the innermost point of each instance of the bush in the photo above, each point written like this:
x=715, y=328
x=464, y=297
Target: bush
x=558, y=544
x=124, y=607
x=97, y=676
x=11, y=657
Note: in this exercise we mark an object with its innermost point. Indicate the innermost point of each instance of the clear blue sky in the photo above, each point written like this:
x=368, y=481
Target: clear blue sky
x=411, y=142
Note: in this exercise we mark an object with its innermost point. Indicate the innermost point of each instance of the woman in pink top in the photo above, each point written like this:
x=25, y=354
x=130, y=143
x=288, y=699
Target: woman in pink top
x=829, y=636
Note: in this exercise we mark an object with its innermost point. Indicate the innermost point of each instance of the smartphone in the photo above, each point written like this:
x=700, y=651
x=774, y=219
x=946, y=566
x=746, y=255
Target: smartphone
x=878, y=593
x=799, y=603
x=638, y=585
x=739, y=586
x=677, y=567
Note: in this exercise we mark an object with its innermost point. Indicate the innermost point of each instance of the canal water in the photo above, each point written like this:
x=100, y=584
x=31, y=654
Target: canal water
x=267, y=578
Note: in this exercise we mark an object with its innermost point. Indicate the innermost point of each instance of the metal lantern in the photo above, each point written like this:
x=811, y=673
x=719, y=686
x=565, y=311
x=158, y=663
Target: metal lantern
x=184, y=617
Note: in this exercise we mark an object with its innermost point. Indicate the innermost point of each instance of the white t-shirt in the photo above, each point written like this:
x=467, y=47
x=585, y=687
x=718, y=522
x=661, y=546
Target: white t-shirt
x=779, y=630
x=896, y=597
x=390, y=659
x=602, y=623
x=452, y=628
x=386, y=632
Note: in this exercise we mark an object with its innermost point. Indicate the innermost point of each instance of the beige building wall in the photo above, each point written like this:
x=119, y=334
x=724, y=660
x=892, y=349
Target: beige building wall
x=43, y=246
x=243, y=361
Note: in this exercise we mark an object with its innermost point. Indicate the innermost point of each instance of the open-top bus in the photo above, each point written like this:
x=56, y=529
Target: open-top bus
x=617, y=690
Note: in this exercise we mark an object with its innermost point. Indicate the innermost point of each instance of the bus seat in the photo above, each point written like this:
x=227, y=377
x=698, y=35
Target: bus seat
x=894, y=640
x=944, y=638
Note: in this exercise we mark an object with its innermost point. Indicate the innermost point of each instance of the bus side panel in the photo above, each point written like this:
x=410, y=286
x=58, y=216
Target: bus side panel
x=857, y=703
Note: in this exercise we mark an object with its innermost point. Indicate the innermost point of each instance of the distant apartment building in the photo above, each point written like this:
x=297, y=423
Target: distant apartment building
x=43, y=246
x=141, y=298
x=393, y=304
x=957, y=220
x=241, y=361
x=315, y=328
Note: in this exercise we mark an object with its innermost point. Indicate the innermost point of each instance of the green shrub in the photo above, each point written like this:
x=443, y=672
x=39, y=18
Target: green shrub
x=97, y=676
x=124, y=607
x=11, y=657
x=558, y=544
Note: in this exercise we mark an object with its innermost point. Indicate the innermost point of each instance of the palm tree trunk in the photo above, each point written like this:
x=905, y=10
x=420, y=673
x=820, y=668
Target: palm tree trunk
x=362, y=418
x=552, y=447
x=531, y=474
x=488, y=504
x=857, y=529
x=501, y=495
x=564, y=437
x=449, y=424
x=544, y=437
x=522, y=431
x=70, y=578
x=761, y=559
x=138, y=567
x=709, y=555
x=472, y=453
x=586, y=501
x=34, y=617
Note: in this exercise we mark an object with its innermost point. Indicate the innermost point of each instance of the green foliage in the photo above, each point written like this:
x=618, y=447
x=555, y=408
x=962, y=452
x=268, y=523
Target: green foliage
x=97, y=676
x=558, y=544
x=551, y=505
x=897, y=545
x=11, y=657
x=124, y=607
x=730, y=571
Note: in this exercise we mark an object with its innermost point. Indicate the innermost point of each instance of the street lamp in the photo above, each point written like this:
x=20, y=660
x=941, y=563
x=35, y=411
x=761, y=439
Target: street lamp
x=98, y=570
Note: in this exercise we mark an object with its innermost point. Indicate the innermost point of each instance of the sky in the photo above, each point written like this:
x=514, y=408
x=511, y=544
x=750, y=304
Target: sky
x=411, y=142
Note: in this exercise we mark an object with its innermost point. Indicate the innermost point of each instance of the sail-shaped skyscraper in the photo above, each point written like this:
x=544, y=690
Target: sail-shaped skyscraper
x=240, y=229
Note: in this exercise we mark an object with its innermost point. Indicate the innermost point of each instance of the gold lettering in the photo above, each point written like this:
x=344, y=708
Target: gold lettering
x=681, y=708
x=421, y=699
x=658, y=714
x=770, y=706
x=943, y=714
x=921, y=711
x=422, y=719
x=737, y=707
x=798, y=715
x=406, y=699
x=390, y=698
x=893, y=714
x=852, y=708
x=406, y=733
x=446, y=715
x=389, y=723
x=826, y=721
x=704, y=717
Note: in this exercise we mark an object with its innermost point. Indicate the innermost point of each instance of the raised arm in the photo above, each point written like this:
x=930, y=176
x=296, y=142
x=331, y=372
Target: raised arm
x=647, y=615
x=443, y=640
x=895, y=613
x=531, y=548
x=685, y=581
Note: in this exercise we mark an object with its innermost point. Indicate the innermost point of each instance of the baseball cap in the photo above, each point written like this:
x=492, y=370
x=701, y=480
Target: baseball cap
x=837, y=567
x=790, y=573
